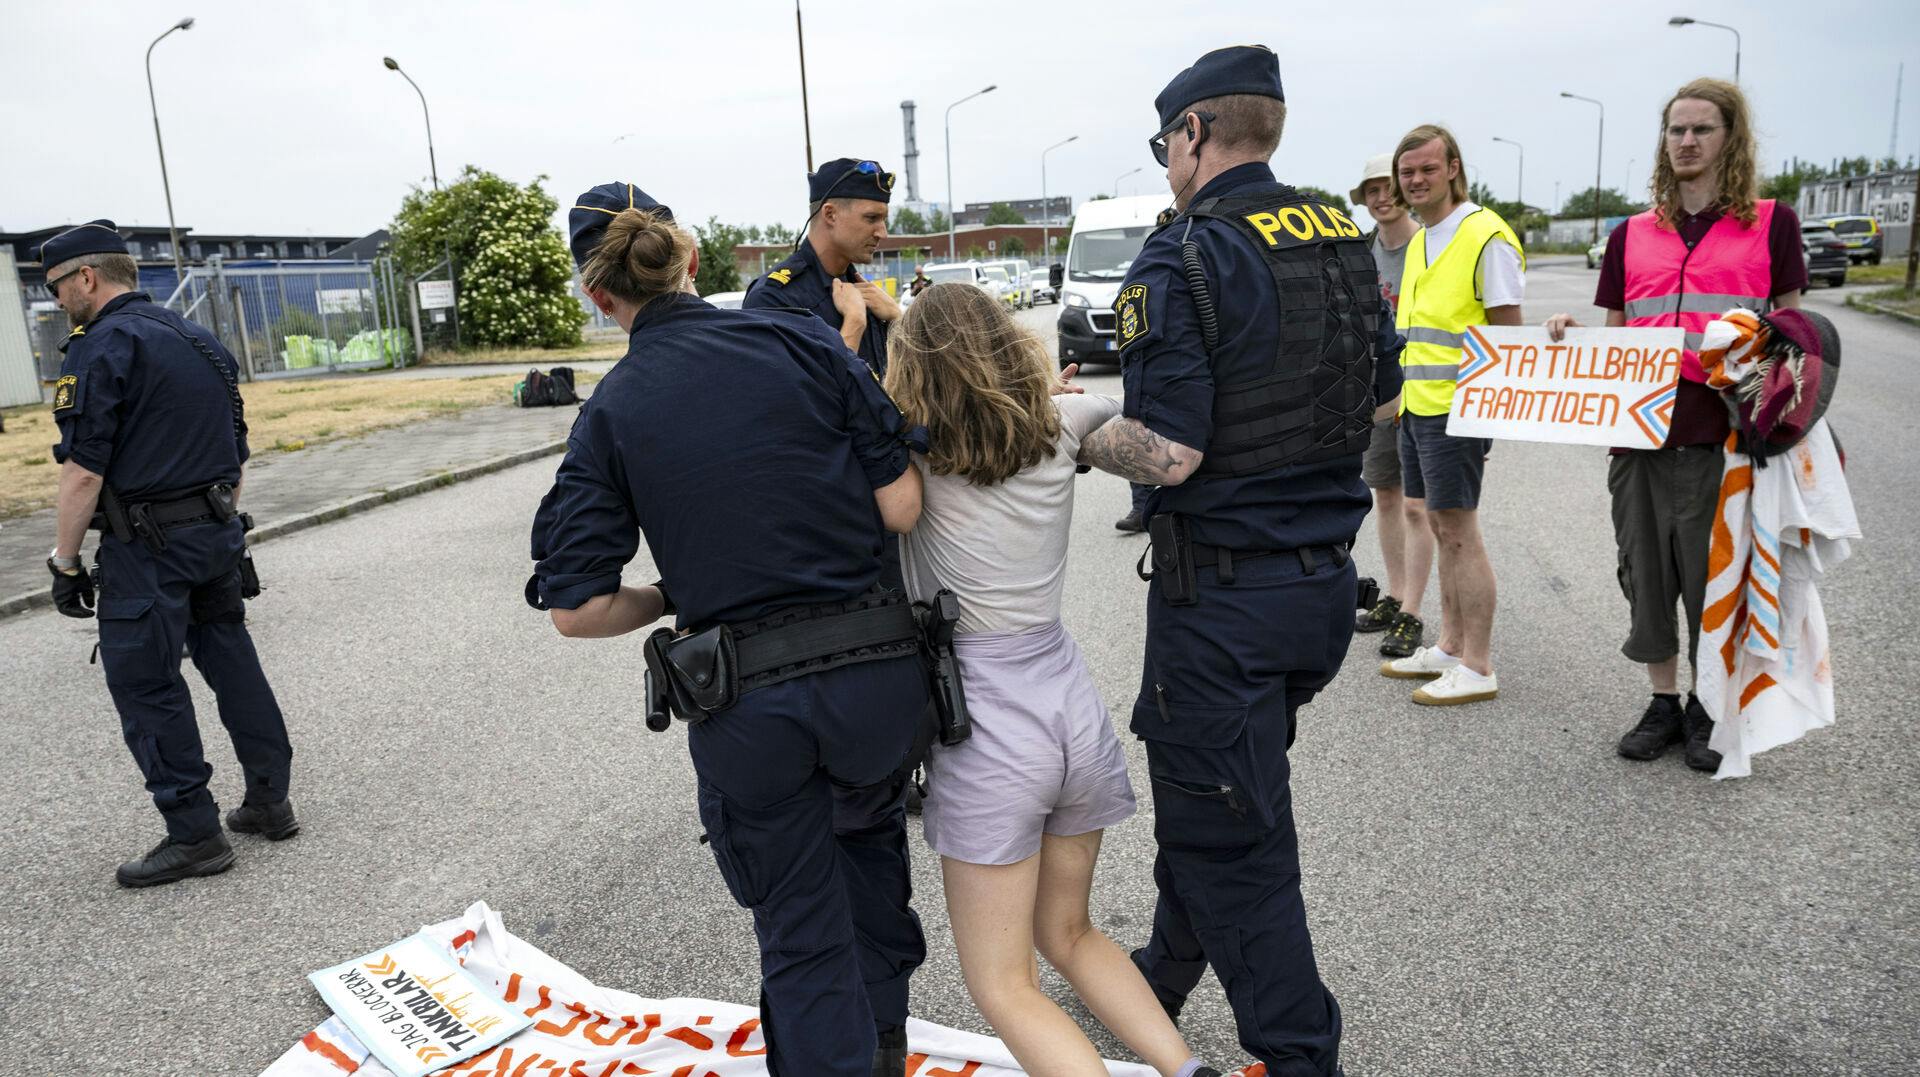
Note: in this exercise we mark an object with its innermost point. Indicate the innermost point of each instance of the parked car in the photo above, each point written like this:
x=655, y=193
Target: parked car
x=988, y=278
x=1008, y=291
x=1597, y=252
x=1861, y=234
x=1020, y=275
x=726, y=300
x=1043, y=285
x=1825, y=252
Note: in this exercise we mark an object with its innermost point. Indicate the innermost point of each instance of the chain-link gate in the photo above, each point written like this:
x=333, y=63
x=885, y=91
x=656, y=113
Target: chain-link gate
x=301, y=318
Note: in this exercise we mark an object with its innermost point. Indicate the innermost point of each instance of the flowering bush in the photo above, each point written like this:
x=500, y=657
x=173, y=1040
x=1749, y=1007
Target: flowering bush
x=513, y=266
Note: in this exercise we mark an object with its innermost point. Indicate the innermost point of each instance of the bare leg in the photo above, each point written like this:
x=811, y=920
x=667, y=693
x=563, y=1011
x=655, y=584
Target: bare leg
x=1100, y=972
x=1665, y=676
x=1466, y=572
x=1390, y=517
x=1449, y=640
x=1418, y=556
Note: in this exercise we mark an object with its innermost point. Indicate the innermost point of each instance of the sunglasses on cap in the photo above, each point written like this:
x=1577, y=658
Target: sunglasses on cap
x=1158, y=143
x=864, y=168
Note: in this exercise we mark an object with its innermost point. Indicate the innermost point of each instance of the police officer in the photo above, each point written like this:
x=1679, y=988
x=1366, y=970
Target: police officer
x=846, y=219
x=152, y=438
x=1248, y=327
x=764, y=466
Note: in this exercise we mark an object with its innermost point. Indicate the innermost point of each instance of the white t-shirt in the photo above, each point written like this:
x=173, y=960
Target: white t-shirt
x=1498, y=280
x=1002, y=549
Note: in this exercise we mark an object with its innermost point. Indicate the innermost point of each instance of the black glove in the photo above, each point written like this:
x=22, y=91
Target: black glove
x=72, y=592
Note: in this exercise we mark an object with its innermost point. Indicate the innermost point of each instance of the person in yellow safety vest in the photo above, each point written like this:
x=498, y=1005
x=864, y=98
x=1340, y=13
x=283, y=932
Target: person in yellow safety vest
x=1465, y=267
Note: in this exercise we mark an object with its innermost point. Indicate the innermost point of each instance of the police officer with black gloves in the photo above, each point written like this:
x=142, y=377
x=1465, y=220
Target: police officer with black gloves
x=846, y=219
x=764, y=466
x=152, y=440
x=1254, y=357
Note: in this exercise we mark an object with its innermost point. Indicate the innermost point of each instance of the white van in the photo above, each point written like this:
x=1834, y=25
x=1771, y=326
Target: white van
x=1107, y=236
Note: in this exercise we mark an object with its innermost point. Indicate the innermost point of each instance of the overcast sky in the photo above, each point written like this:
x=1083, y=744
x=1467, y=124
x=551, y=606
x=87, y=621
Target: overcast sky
x=279, y=118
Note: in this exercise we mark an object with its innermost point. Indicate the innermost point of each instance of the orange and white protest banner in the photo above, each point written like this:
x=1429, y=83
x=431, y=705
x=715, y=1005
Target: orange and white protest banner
x=1613, y=387
x=577, y=1029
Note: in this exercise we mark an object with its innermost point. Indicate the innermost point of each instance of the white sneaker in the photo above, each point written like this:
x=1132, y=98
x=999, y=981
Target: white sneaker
x=1458, y=685
x=1423, y=663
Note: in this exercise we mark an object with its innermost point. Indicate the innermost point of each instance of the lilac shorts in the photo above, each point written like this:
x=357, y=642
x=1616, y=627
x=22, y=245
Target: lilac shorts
x=1043, y=757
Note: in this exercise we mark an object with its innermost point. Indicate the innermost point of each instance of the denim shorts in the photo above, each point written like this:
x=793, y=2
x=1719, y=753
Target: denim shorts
x=1444, y=470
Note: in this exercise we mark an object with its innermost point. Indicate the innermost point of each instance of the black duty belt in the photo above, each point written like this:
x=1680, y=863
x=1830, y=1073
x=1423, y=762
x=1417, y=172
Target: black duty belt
x=1223, y=559
x=147, y=519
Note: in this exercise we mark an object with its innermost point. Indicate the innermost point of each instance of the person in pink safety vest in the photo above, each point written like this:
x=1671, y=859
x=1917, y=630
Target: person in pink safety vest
x=1707, y=245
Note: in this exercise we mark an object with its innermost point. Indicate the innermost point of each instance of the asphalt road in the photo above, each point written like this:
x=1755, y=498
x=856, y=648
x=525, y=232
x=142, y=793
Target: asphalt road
x=1491, y=890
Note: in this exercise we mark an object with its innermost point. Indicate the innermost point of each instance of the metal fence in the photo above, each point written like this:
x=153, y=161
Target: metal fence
x=293, y=318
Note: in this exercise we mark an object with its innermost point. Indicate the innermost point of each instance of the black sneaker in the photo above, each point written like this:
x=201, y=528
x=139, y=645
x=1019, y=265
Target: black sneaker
x=1404, y=637
x=1699, y=729
x=1380, y=617
x=1659, y=729
x=171, y=861
x=275, y=822
x=890, y=1054
x=1130, y=522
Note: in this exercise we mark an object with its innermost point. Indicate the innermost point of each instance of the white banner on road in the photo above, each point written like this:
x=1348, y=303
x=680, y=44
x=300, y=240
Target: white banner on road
x=415, y=1007
x=576, y=1027
x=1612, y=387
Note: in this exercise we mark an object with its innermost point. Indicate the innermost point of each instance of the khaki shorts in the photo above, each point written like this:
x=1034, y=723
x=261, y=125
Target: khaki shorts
x=1664, y=503
x=1380, y=467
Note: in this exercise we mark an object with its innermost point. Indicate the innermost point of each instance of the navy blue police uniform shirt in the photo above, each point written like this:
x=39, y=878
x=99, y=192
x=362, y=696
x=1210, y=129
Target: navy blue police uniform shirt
x=1169, y=381
x=745, y=446
x=139, y=405
x=802, y=282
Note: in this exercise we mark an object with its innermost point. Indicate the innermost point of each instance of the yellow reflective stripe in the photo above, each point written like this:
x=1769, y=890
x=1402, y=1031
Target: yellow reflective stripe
x=1430, y=372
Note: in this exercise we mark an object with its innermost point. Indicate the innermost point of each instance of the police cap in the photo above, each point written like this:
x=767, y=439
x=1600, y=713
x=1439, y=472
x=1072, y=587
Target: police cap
x=591, y=213
x=93, y=237
x=1242, y=69
x=845, y=177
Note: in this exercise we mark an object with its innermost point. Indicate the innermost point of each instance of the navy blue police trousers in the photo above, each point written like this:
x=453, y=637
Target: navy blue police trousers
x=154, y=603
x=803, y=796
x=1222, y=682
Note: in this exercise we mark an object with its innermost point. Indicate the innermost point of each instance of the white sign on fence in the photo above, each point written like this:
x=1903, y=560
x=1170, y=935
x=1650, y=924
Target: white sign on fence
x=436, y=294
x=1612, y=387
x=339, y=300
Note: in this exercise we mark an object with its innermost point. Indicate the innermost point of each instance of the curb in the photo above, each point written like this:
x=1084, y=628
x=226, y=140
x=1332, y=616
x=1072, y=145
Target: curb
x=339, y=510
x=1858, y=303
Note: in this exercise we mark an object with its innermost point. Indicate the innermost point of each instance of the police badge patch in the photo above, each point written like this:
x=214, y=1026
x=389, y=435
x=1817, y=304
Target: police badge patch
x=63, y=393
x=1131, y=310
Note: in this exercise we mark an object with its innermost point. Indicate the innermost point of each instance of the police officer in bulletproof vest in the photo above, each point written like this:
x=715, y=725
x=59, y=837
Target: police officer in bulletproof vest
x=1254, y=356
x=152, y=440
x=764, y=466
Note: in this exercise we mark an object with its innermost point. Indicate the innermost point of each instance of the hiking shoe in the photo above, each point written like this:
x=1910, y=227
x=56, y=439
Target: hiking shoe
x=1130, y=522
x=275, y=822
x=1458, y=685
x=1659, y=729
x=1139, y=959
x=1422, y=664
x=1698, y=729
x=1380, y=618
x=1404, y=637
x=170, y=861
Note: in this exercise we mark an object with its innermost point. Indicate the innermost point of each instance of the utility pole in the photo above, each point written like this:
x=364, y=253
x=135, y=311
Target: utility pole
x=806, y=117
x=173, y=233
x=1520, y=184
x=953, y=210
x=1600, y=145
x=1893, y=139
x=1046, y=207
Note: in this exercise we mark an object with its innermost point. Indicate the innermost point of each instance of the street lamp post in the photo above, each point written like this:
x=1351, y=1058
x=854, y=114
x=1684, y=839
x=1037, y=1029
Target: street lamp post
x=1626, y=178
x=952, y=209
x=1682, y=20
x=173, y=233
x=1046, y=207
x=1520, y=184
x=432, y=166
x=1600, y=143
x=1121, y=176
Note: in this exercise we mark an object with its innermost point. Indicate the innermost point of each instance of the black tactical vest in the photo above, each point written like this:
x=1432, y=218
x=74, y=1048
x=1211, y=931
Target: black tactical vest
x=1316, y=400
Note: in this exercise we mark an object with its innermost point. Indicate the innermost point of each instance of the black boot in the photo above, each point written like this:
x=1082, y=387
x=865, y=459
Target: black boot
x=1659, y=729
x=1139, y=958
x=1699, y=730
x=890, y=1057
x=1130, y=522
x=275, y=822
x=171, y=861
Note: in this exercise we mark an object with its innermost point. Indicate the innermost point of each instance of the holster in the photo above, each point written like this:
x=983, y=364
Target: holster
x=936, y=619
x=1172, y=554
x=697, y=674
x=115, y=514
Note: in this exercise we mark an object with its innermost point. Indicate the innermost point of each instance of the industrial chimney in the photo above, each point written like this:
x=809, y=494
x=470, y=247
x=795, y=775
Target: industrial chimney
x=912, y=154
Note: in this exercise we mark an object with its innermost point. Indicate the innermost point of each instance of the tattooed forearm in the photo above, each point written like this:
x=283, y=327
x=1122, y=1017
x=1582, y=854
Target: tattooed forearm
x=1127, y=448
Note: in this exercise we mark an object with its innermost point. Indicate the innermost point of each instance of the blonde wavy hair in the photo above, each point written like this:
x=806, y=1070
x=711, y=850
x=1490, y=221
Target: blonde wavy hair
x=1739, y=174
x=982, y=385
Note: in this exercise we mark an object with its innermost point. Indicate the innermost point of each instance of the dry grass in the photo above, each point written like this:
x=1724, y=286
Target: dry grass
x=603, y=347
x=282, y=416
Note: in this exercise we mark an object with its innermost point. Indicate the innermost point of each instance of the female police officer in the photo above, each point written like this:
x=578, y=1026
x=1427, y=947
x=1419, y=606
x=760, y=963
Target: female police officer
x=764, y=465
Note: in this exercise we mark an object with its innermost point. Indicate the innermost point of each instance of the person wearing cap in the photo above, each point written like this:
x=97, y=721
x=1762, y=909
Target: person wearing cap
x=1406, y=546
x=1464, y=267
x=919, y=283
x=1708, y=244
x=846, y=220
x=763, y=465
x=1278, y=326
x=153, y=437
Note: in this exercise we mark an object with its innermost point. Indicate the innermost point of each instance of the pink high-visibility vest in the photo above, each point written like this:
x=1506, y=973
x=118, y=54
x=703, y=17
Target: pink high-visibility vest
x=1668, y=284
